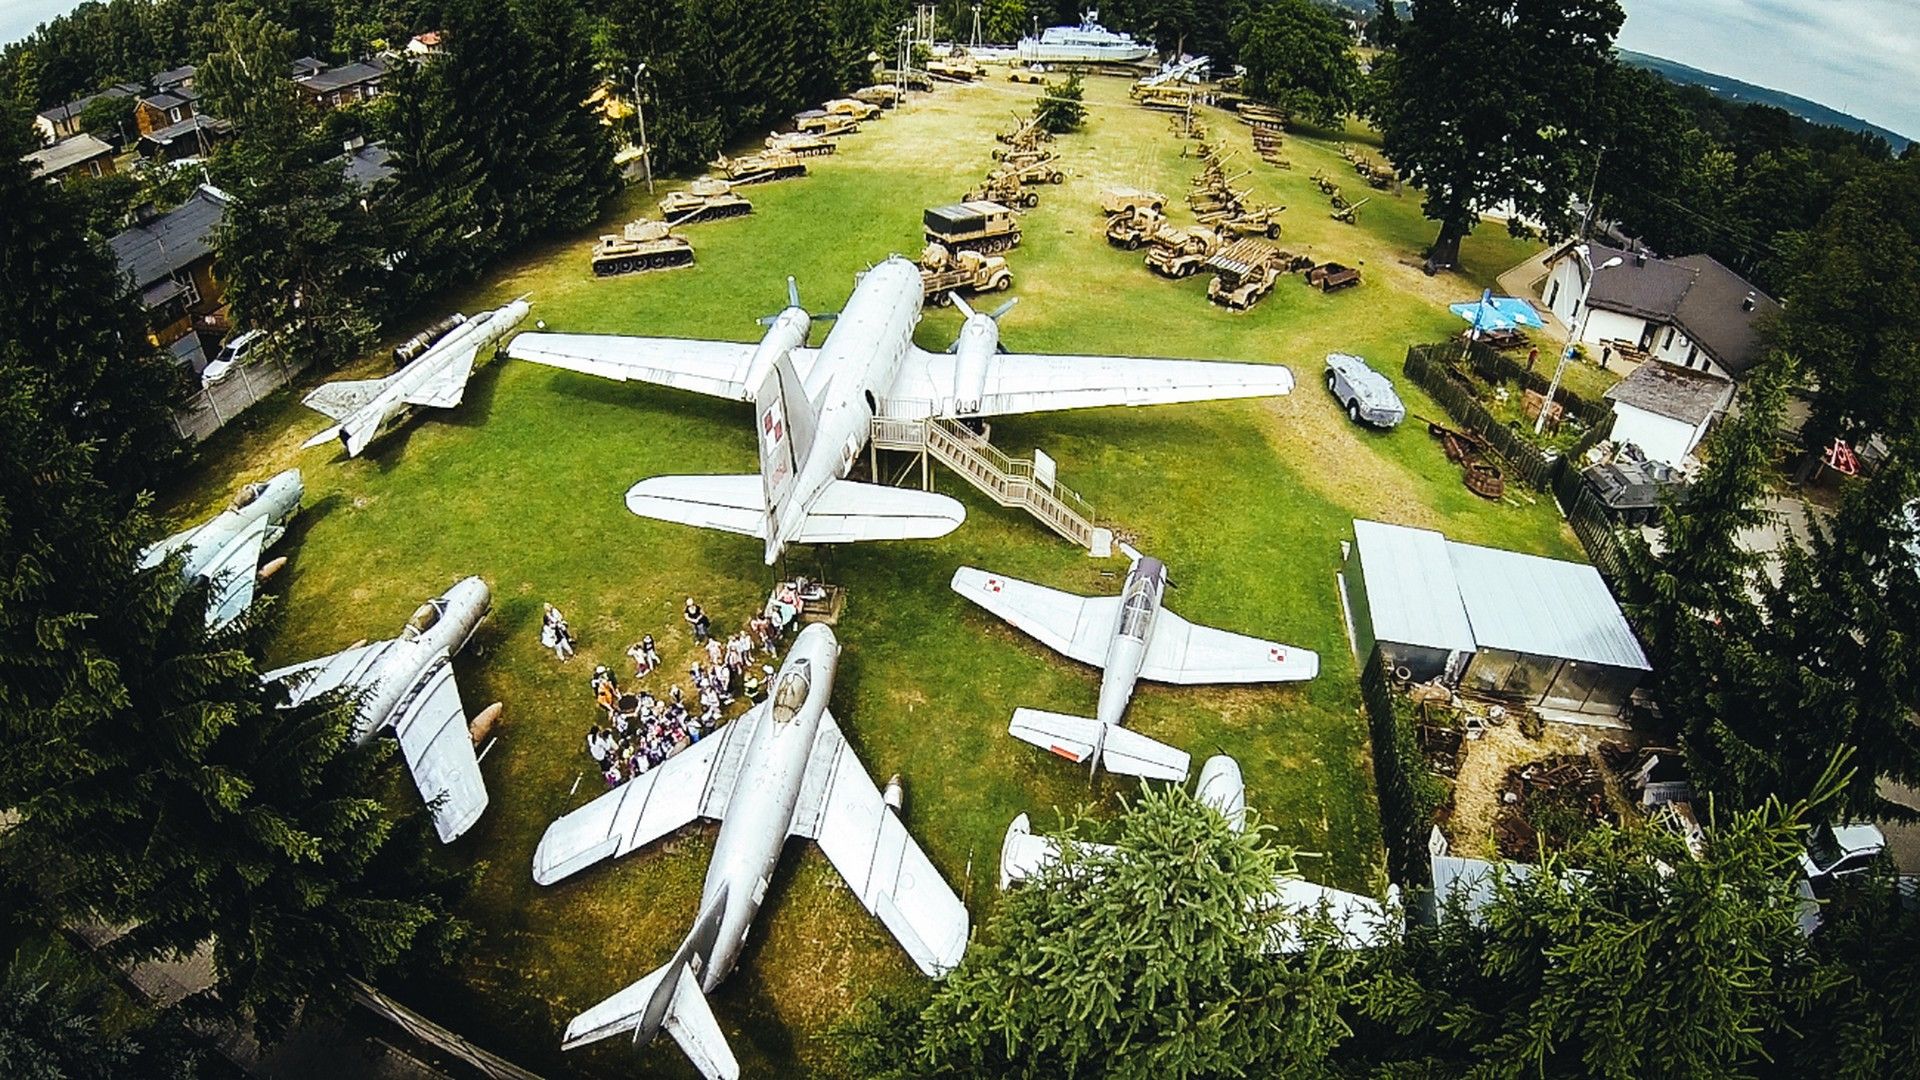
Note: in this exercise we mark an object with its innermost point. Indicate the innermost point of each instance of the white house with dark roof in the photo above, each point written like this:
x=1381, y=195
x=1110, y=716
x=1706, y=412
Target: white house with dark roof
x=1692, y=312
x=1665, y=410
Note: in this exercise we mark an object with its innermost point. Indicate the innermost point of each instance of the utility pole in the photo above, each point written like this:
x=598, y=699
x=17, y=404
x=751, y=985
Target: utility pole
x=640, y=114
x=1578, y=330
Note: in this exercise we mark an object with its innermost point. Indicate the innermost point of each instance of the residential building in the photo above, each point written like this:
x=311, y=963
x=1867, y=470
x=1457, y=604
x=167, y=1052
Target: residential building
x=1665, y=410
x=307, y=67
x=76, y=155
x=366, y=164
x=344, y=85
x=164, y=108
x=170, y=259
x=425, y=44
x=1693, y=312
x=63, y=121
x=194, y=136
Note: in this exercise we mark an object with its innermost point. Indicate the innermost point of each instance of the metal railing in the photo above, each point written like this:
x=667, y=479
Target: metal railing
x=1008, y=481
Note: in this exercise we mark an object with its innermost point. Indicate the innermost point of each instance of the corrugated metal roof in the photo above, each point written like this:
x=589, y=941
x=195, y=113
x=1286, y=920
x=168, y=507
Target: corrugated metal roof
x=1412, y=596
x=65, y=154
x=1544, y=607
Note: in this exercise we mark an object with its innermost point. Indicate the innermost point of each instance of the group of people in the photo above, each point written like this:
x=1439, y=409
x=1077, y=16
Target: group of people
x=639, y=730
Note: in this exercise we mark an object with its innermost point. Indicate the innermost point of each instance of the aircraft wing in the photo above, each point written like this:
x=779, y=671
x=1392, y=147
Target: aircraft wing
x=233, y=572
x=735, y=503
x=449, y=385
x=1184, y=652
x=866, y=841
x=1026, y=382
x=688, y=785
x=1080, y=627
x=348, y=667
x=715, y=368
x=431, y=724
x=339, y=400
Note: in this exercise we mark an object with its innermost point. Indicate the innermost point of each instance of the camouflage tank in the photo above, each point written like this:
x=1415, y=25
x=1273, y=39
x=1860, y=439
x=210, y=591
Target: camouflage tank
x=706, y=199
x=642, y=245
x=759, y=168
x=802, y=143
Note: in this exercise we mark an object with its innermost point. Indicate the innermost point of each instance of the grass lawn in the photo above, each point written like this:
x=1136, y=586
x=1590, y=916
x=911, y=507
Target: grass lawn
x=1247, y=502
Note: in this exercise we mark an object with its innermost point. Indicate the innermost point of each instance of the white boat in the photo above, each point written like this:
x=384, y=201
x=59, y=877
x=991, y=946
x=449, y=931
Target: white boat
x=1086, y=43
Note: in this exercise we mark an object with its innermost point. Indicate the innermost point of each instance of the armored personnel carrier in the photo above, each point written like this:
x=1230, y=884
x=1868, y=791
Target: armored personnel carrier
x=853, y=107
x=642, y=245
x=706, y=199
x=826, y=124
x=759, y=168
x=886, y=97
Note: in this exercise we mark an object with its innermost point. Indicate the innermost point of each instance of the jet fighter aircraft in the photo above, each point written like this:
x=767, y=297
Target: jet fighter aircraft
x=408, y=685
x=814, y=408
x=224, y=550
x=437, y=379
x=781, y=770
x=1132, y=637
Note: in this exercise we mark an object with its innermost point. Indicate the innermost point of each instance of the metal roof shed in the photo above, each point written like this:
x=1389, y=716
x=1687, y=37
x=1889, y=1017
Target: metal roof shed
x=1402, y=596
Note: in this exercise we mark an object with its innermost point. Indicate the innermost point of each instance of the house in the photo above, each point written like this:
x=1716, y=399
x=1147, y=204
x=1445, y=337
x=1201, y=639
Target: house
x=170, y=259
x=76, y=155
x=1693, y=312
x=425, y=44
x=165, y=108
x=344, y=85
x=1536, y=631
x=366, y=164
x=194, y=136
x=1665, y=410
x=307, y=67
x=63, y=121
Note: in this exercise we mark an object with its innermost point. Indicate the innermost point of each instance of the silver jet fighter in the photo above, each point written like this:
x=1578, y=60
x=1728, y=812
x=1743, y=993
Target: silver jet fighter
x=437, y=379
x=781, y=770
x=1131, y=637
x=407, y=685
x=814, y=408
x=225, y=550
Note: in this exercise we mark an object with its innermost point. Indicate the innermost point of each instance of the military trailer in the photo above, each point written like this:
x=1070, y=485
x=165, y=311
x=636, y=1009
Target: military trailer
x=1367, y=396
x=1633, y=488
x=705, y=199
x=801, y=143
x=1125, y=200
x=1243, y=272
x=759, y=168
x=944, y=272
x=982, y=225
x=1328, y=277
x=642, y=245
x=1004, y=187
x=1129, y=229
x=1178, y=253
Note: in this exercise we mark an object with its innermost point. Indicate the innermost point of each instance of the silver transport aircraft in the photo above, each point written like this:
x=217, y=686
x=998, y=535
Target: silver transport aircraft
x=1130, y=637
x=781, y=770
x=407, y=684
x=814, y=407
x=436, y=379
x=224, y=550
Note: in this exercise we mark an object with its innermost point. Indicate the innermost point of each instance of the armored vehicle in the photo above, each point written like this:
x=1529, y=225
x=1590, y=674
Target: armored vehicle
x=985, y=226
x=1366, y=395
x=1004, y=187
x=1125, y=200
x=642, y=245
x=1632, y=488
x=706, y=199
x=801, y=143
x=943, y=272
x=886, y=97
x=956, y=69
x=760, y=168
x=1178, y=253
x=825, y=124
x=1129, y=229
x=854, y=107
x=1243, y=272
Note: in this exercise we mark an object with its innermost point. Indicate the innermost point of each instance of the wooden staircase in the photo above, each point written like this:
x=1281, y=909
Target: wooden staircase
x=1006, y=480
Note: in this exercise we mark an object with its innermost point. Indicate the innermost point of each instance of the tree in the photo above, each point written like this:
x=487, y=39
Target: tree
x=1384, y=29
x=1297, y=55
x=1868, y=1024
x=53, y=1026
x=1491, y=101
x=1059, y=108
x=433, y=209
x=1145, y=960
x=110, y=116
x=1647, y=962
x=576, y=174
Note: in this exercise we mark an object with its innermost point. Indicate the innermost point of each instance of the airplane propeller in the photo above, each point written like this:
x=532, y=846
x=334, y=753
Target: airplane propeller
x=967, y=311
x=793, y=301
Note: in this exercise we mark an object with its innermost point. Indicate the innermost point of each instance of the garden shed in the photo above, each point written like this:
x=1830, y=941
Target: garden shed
x=1534, y=630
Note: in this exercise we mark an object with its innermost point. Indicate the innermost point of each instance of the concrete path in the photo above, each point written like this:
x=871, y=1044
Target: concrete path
x=1524, y=281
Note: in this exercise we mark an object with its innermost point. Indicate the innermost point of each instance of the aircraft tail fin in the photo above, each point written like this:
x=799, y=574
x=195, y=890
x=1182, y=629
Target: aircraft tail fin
x=786, y=423
x=1083, y=740
x=691, y=1023
x=668, y=998
x=848, y=510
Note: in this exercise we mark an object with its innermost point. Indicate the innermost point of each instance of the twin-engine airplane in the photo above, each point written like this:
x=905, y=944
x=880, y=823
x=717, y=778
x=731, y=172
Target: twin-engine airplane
x=407, y=684
x=781, y=770
x=437, y=379
x=224, y=551
x=1131, y=637
x=814, y=408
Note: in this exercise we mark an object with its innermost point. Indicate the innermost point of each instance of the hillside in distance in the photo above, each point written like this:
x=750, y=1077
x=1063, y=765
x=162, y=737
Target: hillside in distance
x=1732, y=89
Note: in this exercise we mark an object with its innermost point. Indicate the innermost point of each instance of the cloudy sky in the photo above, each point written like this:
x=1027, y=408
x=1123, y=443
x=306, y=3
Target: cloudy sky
x=1858, y=56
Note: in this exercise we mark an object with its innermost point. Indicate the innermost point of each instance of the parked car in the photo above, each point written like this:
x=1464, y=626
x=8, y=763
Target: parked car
x=1367, y=395
x=234, y=353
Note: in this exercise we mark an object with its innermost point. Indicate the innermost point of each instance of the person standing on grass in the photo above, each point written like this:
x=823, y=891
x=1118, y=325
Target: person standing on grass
x=697, y=621
x=555, y=635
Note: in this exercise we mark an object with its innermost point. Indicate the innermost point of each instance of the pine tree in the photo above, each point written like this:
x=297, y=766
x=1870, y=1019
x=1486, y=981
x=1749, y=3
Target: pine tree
x=432, y=210
x=574, y=148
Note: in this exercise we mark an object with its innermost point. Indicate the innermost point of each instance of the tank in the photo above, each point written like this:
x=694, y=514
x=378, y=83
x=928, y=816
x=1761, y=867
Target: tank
x=803, y=143
x=760, y=168
x=706, y=199
x=642, y=245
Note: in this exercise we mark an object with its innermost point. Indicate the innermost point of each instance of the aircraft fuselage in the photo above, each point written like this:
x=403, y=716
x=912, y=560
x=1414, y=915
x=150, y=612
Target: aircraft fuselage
x=1140, y=600
x=276, y=500
x=447, y=622
x=475, y=334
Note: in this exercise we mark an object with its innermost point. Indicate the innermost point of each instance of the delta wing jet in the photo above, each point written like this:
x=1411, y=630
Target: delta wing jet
x=225, y=550
x=407, y=685
x=1131, y=637
x=781, y=770
x=814, y=408
x=1361, y=920
x=436, y=379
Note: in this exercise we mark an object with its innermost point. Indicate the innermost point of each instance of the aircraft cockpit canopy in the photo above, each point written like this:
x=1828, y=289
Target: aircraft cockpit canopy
x=425, y=618
x=247, y=495
x=790, y=694
x=1136, y=608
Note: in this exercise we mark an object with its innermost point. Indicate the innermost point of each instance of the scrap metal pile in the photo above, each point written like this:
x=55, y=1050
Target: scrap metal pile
x=1548, y=804
x=1475, y=458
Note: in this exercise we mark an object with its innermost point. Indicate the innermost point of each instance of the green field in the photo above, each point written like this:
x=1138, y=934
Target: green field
x=1247, y=502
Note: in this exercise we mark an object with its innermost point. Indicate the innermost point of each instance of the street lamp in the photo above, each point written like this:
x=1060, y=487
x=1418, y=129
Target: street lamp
x=1580, y=331
x=640, y=114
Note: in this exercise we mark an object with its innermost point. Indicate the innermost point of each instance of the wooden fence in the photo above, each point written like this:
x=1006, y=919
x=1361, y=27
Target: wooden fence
x=1596, y=527
x=1525, y=461
x=1494, y=366
x=210, y=408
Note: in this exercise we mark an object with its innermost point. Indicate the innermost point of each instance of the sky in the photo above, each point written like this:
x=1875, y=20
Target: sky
x=1859, y=56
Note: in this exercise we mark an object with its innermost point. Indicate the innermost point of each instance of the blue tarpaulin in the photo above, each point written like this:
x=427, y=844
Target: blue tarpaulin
x=1497, y=313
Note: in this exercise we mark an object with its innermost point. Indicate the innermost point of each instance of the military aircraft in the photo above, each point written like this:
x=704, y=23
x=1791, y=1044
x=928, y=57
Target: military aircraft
x=437, y=379
x=1360, y=920
x=814, y=408
x=781, y=770
x=407, y=685
x=224, y=550
x=1132, y=637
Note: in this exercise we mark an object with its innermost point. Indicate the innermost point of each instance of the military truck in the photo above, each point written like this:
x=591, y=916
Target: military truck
x=1130, y=229
x=886, y=97
x=1125, y=200
x=1178, y=253
x=706, y=199
x=1004, y=187
x=983, y=225
x=759, y=168
x=943, y=272
x=801, y=143
x=642, y=245
x=825, y=124
x=861, y=111
x=1243, y=272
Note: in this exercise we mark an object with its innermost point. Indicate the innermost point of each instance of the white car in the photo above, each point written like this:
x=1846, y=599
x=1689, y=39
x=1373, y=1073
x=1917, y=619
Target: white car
x=232, y=354
x=1366, y=395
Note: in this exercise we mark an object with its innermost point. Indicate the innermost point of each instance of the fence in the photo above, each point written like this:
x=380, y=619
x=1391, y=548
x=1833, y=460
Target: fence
x=1410, y=793
x=1494, y=366
x=1594, y=525
x=1525, y=461
x=211, y=408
